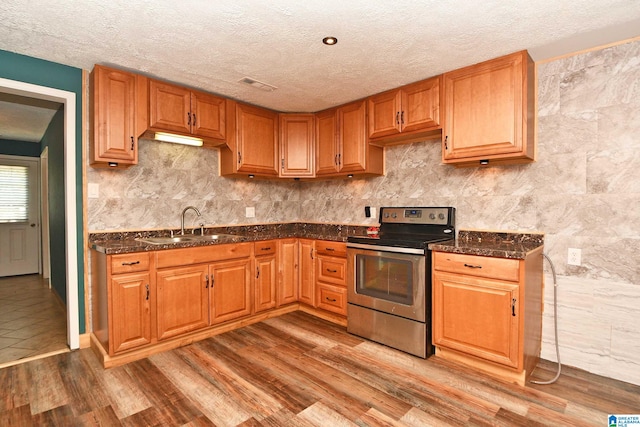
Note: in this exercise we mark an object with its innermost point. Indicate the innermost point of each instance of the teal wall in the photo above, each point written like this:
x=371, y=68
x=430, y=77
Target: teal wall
x=19, y=148
x=50, y=74
x=54, y=139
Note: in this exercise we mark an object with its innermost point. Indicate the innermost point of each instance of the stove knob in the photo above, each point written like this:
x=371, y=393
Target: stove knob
x=441, y=216
x=386, y=215
x=395, y=215
x=432, y=216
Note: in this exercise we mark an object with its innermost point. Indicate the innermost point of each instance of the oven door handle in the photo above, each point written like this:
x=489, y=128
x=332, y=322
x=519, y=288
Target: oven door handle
x=413, y=251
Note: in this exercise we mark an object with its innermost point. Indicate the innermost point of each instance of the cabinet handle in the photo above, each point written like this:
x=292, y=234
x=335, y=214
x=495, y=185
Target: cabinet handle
x=239, y=157
x=311, y=253
x=332, y=271
x=335, y=161
x=513, y=307
x=131, y=263
x=147, y=288
x=339, y=159
x=257, y=272
x=132, y=143
x=446, y=147
x=472, y=266
x=402, y=118
x=331, y=299
x=189, y=118
x=397, y=117
x=194, y=119
x=329, y=249
x=206, y=279
x=266, y=249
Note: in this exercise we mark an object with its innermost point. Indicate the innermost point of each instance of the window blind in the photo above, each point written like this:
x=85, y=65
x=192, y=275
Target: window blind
x=14, y=193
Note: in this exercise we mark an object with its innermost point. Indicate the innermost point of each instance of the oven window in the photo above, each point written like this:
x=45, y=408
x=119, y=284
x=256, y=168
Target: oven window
x=386, y=278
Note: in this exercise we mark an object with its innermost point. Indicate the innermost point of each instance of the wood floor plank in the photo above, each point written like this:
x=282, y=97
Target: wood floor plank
x=214, y=404
x=296, y=370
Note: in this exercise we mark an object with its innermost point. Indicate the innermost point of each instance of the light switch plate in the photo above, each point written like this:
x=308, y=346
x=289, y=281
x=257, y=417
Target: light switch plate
x=250, y=212
x=93, y=190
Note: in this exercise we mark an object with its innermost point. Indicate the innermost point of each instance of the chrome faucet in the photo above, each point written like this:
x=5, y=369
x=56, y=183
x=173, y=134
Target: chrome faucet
x=184, y=211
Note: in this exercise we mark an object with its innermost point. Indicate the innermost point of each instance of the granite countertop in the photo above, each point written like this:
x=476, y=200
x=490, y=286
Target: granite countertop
x=493, y=244
x=125, y=242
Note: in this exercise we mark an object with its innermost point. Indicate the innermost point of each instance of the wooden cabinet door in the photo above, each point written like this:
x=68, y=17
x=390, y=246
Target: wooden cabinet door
x=130, y=311
x=257, y=133
x=113, y=114
x=297, y=145
x=208, y=116
x=182, y=300
x=486, y=110
x=230, y=296
x=420, y=106
x=265, y=282
x=289, y=271
x=352, y=137
x=169, y=107
x=307, y=272
x=478, y=316
x=384, y=114
x=326, y=143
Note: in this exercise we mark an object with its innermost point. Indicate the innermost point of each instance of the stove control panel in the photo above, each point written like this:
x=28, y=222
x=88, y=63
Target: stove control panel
x=429, y=215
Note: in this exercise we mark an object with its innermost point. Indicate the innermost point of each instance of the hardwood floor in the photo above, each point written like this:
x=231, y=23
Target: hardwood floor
x=32, y=319
x=296, y=370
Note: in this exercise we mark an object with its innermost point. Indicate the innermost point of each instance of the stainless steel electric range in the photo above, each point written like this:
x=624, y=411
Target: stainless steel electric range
x=389, y=277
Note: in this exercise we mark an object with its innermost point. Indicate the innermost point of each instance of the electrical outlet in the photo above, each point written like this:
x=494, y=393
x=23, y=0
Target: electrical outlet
x=93, y=190
x=574, y=256
x=250, y=212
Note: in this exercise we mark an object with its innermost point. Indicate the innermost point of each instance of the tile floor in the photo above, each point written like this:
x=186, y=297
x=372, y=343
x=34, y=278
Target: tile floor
x=32, y=319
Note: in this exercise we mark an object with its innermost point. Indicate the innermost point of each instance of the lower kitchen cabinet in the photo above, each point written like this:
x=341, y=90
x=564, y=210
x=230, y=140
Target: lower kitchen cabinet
x=182, y=300
x=122, y=300
x=487, y=311
x=230, y=296
x=266, y=270
x=288, y=271
x=306, y=255
x=331, y=267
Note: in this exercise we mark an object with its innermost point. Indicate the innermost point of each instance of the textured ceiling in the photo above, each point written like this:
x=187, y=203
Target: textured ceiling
x=211, y=45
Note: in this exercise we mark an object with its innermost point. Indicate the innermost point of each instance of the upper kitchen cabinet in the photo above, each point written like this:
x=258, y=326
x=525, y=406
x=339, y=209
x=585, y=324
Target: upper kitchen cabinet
x=176, y=109
x=252, y=143
x=489, y=111
x=342, y=146
x=408, y=114
x=297, y=146
x=114, y=96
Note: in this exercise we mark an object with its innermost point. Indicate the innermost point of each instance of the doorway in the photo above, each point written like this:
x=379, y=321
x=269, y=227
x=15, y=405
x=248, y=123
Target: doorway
x=68, y=99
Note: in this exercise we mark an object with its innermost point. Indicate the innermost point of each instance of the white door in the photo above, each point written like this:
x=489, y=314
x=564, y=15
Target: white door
x=19, y=216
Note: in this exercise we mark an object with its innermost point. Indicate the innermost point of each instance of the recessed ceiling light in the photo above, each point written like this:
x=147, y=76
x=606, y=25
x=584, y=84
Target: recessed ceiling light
x=329, y=41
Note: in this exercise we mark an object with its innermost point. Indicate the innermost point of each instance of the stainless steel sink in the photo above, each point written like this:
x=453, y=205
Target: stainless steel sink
x=183, y=239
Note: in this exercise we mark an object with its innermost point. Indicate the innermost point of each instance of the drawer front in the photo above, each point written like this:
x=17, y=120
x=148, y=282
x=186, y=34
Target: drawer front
x=202, y=254
x=324, y=247
x=481, y=266
x=267, y=247
x=332, y=298
x=332, y=270
x=129, y=263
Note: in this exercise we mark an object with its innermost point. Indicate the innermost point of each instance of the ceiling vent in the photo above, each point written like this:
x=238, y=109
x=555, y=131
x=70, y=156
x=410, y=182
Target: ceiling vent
x=257, y=84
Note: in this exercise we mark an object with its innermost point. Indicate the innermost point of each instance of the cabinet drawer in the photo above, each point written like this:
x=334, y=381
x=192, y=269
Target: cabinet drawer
x=202, y=254
x=332, y=270
x=129, y=263
x=324, y=247
x=481, y=266
x=332, y=298
x=267, y=247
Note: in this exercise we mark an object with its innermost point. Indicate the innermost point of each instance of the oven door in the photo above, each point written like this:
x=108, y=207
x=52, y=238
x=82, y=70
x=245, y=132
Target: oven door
x=387, y=279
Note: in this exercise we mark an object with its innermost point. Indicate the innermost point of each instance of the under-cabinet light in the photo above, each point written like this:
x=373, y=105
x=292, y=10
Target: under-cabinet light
x=178, y=139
